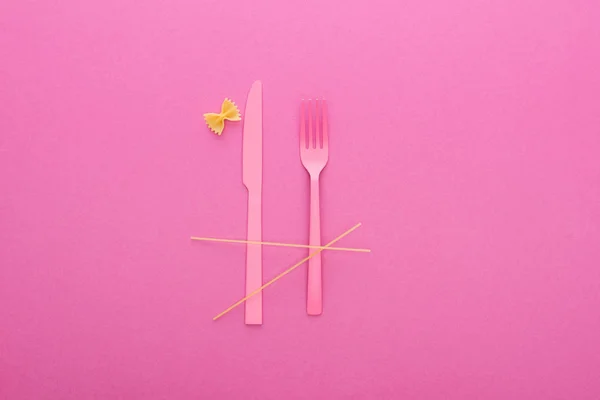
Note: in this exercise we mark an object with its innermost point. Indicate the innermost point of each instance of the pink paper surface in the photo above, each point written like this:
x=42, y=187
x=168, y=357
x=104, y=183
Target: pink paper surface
x=465, y=136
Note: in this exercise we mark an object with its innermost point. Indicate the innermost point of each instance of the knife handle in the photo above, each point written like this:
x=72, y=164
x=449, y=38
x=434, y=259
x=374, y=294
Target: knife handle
x=314, y=298
x=253, y=315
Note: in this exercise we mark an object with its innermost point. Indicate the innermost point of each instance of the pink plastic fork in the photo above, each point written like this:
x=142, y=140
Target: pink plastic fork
x=314, y=152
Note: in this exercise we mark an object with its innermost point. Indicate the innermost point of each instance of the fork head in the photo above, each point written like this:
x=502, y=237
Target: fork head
x=314, y=136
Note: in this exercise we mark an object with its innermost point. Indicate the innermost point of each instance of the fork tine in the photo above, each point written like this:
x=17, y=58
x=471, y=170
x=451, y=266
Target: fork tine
x=311, y=138
x=302, y=126
x=318, y=141
x=324, y=124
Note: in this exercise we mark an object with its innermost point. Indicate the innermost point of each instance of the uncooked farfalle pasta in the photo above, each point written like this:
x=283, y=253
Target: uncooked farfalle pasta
x=216, y=122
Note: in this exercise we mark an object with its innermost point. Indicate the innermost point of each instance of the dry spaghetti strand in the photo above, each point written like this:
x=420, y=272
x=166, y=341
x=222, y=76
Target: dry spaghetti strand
x=277, y=244
x=284, y=273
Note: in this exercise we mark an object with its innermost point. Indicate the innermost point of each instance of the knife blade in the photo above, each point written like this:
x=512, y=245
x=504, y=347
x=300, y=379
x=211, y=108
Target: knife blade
x=252, y=179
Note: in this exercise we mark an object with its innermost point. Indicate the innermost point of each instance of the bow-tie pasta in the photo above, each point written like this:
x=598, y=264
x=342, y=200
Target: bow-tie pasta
x=216, y=122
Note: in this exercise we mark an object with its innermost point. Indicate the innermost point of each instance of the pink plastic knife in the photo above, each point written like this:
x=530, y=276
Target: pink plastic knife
x=252, y=178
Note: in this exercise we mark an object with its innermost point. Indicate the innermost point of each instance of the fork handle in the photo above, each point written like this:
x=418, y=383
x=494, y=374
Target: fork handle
x=314, y=298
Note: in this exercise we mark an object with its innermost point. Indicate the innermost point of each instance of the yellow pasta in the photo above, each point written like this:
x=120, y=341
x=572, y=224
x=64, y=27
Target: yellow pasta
x=216, y=122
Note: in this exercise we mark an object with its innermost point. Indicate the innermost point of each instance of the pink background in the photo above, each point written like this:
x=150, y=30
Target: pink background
x=465, y=136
